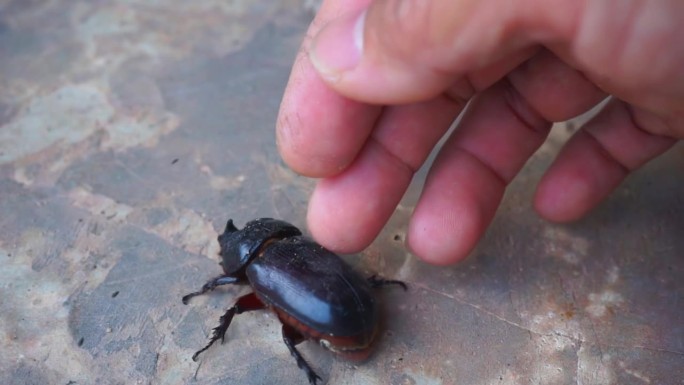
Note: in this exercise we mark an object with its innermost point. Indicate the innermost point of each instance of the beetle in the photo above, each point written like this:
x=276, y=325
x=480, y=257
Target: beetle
x=314, y=293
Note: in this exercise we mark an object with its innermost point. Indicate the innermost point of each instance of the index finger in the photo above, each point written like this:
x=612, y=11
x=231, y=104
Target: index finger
x=320, y=132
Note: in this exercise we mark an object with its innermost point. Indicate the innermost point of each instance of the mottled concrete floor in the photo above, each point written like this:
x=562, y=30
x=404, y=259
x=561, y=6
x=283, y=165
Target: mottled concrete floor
x=131, y=130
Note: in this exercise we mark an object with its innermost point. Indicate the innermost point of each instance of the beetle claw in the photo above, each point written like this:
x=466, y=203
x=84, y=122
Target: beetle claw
x=313, y=378
x=376, y=281
x=186, y=298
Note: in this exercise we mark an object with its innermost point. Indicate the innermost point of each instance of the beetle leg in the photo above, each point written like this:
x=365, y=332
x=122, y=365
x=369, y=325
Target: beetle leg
x=245, y=303
x=376, y=281
x=209, y=286
x=292, y=337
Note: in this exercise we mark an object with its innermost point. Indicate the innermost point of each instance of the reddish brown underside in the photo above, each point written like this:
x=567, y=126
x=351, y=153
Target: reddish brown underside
x=354, y=348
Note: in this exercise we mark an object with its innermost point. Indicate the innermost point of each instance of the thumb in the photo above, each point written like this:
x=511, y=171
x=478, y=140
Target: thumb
x=400, y=51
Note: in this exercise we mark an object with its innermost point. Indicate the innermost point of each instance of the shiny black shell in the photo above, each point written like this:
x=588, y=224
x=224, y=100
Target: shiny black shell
x=315, y=287
x=301, y=280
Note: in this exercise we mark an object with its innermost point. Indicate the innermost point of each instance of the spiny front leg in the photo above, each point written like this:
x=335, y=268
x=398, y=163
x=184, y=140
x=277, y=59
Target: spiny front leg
x=209, y=286
x=245, y=303
x=292, y=337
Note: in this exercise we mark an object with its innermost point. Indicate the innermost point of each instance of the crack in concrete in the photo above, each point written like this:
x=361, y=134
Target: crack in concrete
x=580, y=341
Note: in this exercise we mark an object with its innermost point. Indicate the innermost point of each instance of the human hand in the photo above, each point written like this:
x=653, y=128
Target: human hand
x=377, y=84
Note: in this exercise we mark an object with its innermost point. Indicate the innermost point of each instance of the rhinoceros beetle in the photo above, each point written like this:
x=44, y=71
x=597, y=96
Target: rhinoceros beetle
x=314, y=293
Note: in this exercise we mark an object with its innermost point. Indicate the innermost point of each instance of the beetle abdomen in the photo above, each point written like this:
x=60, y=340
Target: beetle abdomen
x=354, y=348
x=316, y=288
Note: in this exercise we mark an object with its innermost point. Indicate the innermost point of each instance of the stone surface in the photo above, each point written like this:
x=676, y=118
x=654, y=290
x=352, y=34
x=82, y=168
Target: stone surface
x=131, y=130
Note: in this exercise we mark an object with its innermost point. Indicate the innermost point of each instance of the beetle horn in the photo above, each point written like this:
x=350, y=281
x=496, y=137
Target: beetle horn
x=230, y=227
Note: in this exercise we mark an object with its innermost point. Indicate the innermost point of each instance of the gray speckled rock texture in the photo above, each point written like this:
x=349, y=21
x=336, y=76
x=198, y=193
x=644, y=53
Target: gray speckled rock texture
x=131, y=130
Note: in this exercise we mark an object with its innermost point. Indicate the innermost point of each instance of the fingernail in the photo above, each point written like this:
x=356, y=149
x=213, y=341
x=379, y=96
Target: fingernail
x=337, y=48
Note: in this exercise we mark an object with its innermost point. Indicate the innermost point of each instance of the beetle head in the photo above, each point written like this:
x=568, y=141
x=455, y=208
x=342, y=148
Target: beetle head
x=240, y=247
